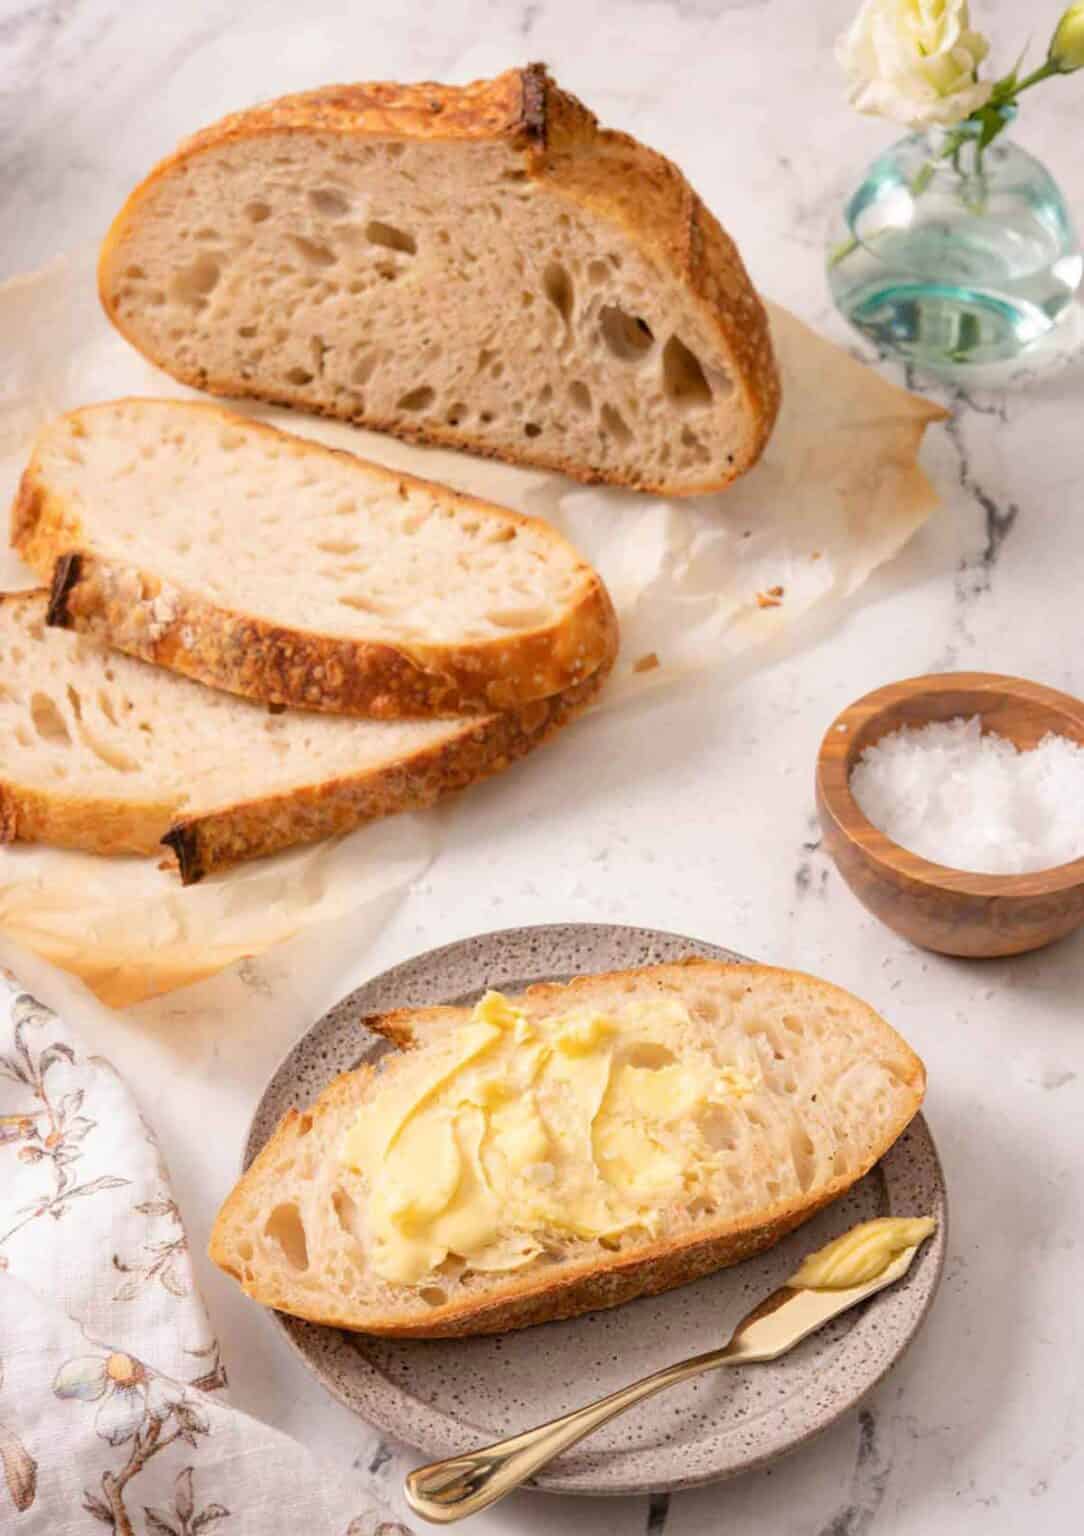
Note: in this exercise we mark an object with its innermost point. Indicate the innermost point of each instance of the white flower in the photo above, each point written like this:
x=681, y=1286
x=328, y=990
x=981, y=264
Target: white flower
x=915, y=61
x=128, y=1394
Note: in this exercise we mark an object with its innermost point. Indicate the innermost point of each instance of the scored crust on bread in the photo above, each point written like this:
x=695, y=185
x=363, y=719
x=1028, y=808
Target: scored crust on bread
x=271, y=566
x=834, y=1086
x=107, y=754
x=480, y=266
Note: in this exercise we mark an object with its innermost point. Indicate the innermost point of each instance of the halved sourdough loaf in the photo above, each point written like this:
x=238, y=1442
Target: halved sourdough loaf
x=480, y=266
x=273, y=567
x=822, y=1088
x=111, y=755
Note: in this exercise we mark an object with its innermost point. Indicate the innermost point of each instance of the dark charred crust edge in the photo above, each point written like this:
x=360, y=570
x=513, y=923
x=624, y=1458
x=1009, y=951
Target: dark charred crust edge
x=183, y=839
x=9, y=821
x=66, y=575
x=535, y=78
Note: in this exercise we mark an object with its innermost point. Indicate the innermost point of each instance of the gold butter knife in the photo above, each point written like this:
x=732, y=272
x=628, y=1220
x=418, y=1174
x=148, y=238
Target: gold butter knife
x=449, y=1490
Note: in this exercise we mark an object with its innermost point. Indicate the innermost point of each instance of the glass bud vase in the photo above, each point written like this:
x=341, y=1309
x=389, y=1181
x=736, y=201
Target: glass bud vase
x=952, y=254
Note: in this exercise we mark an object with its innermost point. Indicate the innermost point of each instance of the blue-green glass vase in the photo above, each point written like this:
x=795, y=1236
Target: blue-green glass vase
x=951, y=254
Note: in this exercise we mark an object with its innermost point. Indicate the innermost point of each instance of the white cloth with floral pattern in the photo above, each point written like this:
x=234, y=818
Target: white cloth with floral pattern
x=113, y=1401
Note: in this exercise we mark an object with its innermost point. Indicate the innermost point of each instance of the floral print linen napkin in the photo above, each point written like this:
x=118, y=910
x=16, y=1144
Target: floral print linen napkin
x=114, y=1409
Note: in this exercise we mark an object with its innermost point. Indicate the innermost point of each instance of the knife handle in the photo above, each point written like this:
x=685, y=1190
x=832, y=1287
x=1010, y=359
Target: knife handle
x=449, y=1490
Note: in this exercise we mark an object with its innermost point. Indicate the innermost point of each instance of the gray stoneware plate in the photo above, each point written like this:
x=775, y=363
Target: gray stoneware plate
x=451, y=1395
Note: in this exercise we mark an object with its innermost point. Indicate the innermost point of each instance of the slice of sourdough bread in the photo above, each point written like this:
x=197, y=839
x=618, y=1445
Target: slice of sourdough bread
x=276, y=568
x=480, y=266
x=802, y=1088
x=111, y=755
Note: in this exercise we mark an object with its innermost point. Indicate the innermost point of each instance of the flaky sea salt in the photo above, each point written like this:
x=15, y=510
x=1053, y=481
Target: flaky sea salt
x=950, y=793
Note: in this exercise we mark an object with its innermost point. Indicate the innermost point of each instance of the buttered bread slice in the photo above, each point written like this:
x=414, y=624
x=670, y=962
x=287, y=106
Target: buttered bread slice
x=481, y=266
x=273, y=567
x=110, y=755
x=540, y=1156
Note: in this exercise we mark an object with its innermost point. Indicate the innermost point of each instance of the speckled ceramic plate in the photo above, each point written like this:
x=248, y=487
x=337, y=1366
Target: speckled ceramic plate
x=445, y=1396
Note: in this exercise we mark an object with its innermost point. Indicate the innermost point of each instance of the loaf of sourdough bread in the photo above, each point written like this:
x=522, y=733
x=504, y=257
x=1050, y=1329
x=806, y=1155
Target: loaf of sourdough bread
x=481, y=266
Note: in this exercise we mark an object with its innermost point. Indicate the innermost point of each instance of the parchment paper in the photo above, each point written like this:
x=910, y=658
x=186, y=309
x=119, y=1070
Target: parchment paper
x=696, y=584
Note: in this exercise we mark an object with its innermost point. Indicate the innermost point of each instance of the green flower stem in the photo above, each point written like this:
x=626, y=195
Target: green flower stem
x=1044, y=71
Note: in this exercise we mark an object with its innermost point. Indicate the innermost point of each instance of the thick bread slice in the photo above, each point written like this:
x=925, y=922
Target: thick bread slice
x=479, y=265
x=276, y=568
x=837, y=1086
x=111, y=755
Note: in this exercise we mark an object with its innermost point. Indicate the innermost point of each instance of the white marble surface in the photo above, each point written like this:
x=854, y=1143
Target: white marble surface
x=693, y=812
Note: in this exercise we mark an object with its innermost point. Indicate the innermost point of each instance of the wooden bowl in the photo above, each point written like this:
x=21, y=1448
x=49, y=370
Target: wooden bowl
x=952, y=911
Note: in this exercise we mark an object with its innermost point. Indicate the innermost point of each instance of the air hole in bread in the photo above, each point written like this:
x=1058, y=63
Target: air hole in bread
x=683, y=380
x=379, y=233
x=134, y=272
x=363, y=369
x=580, y=396
x=698, y=450
x=298, y=376
x=416, y=399
x=804, y=1155
x=105, y=704
x=329, y=202
x=717, y=1126
x=107, y=751
x=557, y=286
x=532, y=429
x=597, y=272
x=257, y=211
x=337, y=546
x=47, y=719
x=315, y=252
x=193, y=283
x=627, y=336
x=518, y=618
x=346, y=1211
x=615, y=424
x=247, y=331
x=363, y=604
x=433, y=1295
x=650, y=1054
x=456, y=413
x=207, y=234
x=285, y=1227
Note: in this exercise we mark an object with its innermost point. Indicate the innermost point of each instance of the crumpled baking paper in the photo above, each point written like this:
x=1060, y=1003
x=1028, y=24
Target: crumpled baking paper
x=696, y=584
